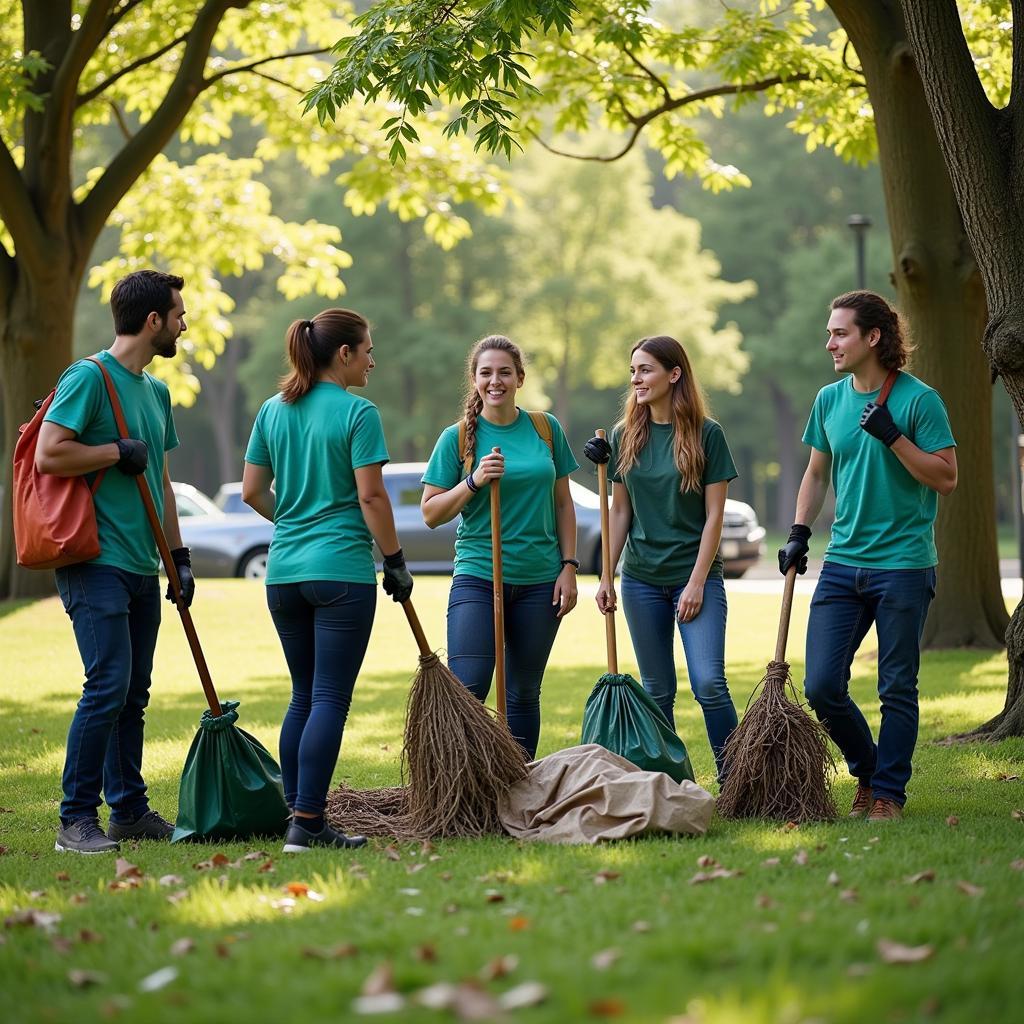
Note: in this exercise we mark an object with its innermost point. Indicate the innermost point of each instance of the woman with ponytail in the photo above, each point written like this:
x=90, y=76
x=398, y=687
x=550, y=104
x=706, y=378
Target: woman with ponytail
x=671, y=466
x=322, y=449
x=538, y=526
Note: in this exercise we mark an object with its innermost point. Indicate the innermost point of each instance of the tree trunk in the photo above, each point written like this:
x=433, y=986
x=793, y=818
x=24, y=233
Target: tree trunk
x=35, y=348
x=940, y=293
x=785, y=444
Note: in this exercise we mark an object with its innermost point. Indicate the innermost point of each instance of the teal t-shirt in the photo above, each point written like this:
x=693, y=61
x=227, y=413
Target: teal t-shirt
x=529, y=541
x=664, y=536
x=314, y=446
x=83, y=405
x=884, y=517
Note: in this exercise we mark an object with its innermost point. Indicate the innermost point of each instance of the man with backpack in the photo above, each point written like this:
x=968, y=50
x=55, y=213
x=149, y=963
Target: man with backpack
x=113, y=600
x=884, y=439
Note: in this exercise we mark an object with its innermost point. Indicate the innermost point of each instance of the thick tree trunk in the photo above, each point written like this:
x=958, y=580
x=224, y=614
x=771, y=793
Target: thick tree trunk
x=35, y=348
x=940, y=293
x=786, y=446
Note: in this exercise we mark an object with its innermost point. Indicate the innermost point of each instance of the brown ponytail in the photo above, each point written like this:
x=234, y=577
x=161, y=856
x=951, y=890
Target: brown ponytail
x=474, y=403
x=311, y=345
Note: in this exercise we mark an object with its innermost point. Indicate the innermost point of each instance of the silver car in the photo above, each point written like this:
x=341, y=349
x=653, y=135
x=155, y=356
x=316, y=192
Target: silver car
x=222, y=544
x=428, y=550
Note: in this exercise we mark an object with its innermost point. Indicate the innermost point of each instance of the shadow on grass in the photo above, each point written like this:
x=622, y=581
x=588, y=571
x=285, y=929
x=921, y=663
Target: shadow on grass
x=10, y=607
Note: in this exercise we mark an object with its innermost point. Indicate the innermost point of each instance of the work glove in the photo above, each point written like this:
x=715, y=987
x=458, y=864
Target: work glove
x=877, y=421
x=133, y=456
x=795, y=550
x=397, y=578
x=182, y=559
x=598, y=450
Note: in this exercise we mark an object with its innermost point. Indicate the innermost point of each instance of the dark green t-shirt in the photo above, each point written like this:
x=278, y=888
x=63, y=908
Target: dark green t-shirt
x=884, y=517
x=83, y=405
x=314, y=446
x=529, y=540
x=664, y=536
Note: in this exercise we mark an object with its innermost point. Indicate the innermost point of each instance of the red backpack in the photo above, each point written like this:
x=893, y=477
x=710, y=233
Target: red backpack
x=54, y=516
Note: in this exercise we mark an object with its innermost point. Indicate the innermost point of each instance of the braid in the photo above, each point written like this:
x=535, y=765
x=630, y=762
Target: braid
x=473, y=406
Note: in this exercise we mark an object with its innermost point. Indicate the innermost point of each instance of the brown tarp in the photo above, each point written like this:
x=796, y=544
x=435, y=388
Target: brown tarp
x=587, y=794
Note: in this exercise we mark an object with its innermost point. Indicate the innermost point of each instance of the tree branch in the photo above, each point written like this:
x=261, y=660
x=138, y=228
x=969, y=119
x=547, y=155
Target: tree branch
x=19, y=214
x=95, y=91
x=659, y=82
x=640, y=121
x=119, y=117
x=137, y=154
x=119, y=14
x=258, y=63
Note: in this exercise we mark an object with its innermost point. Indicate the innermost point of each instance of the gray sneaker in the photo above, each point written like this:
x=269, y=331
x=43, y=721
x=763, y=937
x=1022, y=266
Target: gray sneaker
x=84, y=836
x=149, y=826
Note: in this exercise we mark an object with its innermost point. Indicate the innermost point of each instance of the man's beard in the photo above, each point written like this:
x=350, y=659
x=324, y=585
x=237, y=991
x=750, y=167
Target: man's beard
x=164, y=345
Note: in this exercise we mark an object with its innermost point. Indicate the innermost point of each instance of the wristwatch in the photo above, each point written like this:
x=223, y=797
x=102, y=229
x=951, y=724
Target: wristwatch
x=570, y=561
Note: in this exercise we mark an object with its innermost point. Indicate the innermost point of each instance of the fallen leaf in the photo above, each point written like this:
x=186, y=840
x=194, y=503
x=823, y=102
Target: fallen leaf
x=928, y=875
x=710, y=876
x=439, y=996
x=3, y=850
x=158, y=979
x=78, y=898
x=120, y=884
x=413, y=868
x=256, y=855
x=1018, y=864
x=426, y=847
x=970, y=890
x=391, y=852
x=222, y=949
x=1003, y=777
x=451, y=908
x=62, y=876
x=265, y=867
x=339, y=952
x=61, y=945
x=85, y=979
x=641, y=926
x=499, y=967
x=518, y=923
x=493, y=896
x=171, y=880
x=790, y=826
x=218, y=860
x=446, y=876
x=771, y=862
x=182, y=947
x=426, y=954
x=833, y=878
x=124, y=869
x=473, y=1003
x=764, y=902
x=36, y=894
x=608, y=1007
x=286, y=904
x=386, y=1002
x=43, y=919
x=379, y=981
x=800, y=857
x=605, y=876
x=529, y=993
x=604, y=959
x=1017, y=815
x=706, y=862
x=895, y=953
x=849, y=895
x=299, y=889
x=952, y=821
x=178, y=896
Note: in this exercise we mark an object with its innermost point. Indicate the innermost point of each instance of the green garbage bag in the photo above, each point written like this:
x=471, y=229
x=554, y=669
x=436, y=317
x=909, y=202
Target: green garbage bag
x=231, y=786
x=622, y=716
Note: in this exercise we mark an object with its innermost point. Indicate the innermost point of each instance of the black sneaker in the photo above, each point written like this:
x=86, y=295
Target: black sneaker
x=84, y=836
x=300, y=840
x=149, y=826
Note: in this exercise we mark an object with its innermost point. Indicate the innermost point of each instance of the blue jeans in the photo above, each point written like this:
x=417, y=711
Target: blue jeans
x=324, y=628
x=116, y=616
x=530, y=629
x=651, y=615
x=846, y=602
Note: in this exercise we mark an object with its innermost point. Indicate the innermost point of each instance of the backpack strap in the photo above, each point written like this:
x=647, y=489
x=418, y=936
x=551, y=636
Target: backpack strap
x=883, y=395
x=541, y=423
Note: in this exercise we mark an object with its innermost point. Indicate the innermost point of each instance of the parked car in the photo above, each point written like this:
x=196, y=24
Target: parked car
x=222, y=544
x=429, y=550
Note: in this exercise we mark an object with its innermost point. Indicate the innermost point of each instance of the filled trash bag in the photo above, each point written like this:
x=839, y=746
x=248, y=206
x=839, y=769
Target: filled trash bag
x=622, y=717
x=231, y=786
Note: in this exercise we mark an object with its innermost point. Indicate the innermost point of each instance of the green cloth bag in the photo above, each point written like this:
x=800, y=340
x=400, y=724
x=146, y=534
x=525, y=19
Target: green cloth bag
x=622, y=716
x=231, y=786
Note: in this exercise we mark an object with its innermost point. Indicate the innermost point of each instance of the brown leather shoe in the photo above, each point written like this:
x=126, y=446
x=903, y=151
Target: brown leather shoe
x=884, y=809
x=861, y=802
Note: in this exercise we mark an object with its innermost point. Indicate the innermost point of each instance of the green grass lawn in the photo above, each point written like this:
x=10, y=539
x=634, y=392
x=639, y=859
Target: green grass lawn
x=793, y=936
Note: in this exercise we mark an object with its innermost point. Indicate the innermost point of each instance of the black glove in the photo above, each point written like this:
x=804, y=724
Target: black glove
x=877, y=421
x=795, y=551
x=182, y=559
x=133, y=456
x=598, y=450
x=397, y=579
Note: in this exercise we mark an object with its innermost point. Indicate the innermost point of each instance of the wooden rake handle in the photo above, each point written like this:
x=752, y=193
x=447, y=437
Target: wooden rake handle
x=607, y=569
x=165, y=555
x=787, y=608
x=499, y=601
x=417, y=629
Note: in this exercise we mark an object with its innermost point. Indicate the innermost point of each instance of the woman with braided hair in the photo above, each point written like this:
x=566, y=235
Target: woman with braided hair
x=538, y=522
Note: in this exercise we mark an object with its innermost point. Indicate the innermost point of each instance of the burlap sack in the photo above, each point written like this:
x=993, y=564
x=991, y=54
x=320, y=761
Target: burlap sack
x=587, y=794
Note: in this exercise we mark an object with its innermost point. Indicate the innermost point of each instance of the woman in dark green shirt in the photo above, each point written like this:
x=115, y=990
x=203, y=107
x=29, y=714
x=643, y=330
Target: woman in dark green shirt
x=322, y=447
x=672, y=466
x=538, y=532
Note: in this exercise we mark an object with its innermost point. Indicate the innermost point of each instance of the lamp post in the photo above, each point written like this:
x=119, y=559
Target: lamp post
x=859, y=223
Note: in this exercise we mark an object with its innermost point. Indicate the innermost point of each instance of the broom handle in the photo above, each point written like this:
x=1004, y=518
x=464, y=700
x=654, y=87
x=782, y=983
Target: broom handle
x=165, y=555
x=606, y=558
x=787, y=607
x=499, y=606
x=417, y=629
